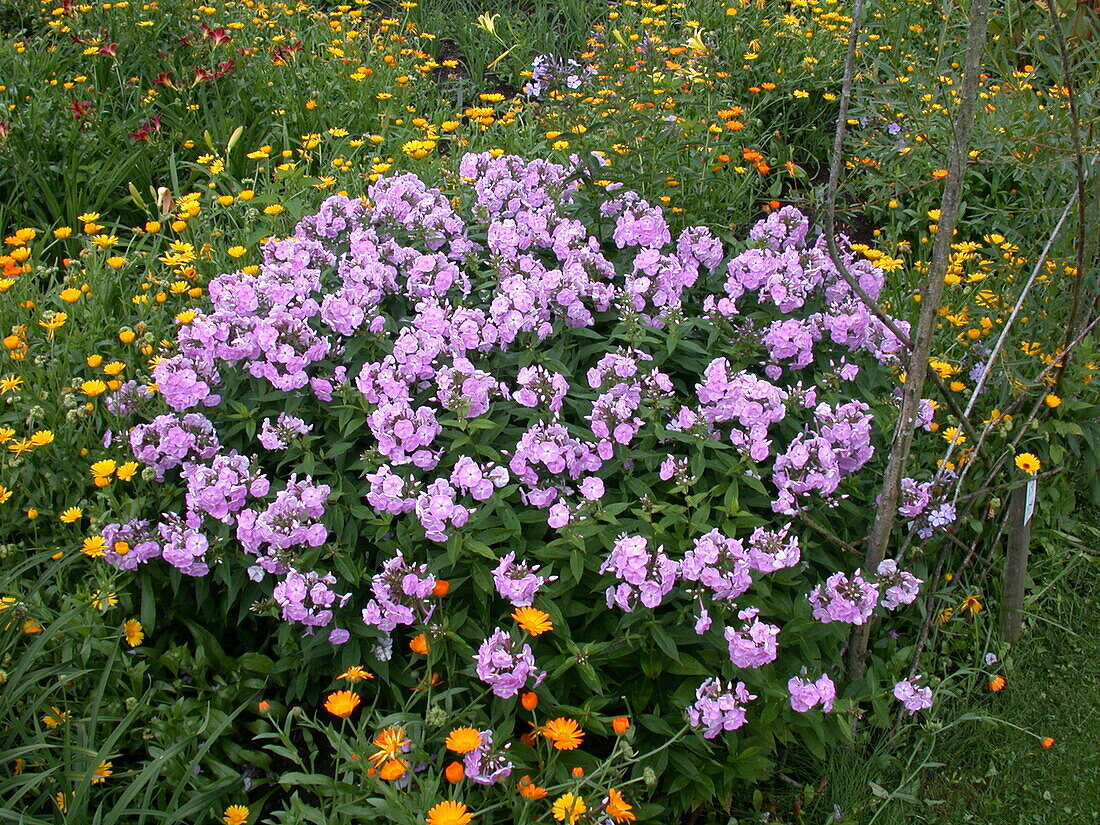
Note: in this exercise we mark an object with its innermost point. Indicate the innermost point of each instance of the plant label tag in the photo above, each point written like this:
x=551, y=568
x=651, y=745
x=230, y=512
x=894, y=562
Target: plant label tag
x=1029, y=500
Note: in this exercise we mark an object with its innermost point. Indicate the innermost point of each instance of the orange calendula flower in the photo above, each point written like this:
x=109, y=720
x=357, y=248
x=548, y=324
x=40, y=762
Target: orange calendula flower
x=620, y=724
x=618, y=808
x=463, y=740
x=449, y=813
x=529, y=790
x=134, y=632
x=389, y=742
x=419, y=644
x=394, y=769
x=355, y=673
x=1047, y=741
x=342, y=702
x=565, y=734
x=455, y=772
x=532, y=620
x=997, y=683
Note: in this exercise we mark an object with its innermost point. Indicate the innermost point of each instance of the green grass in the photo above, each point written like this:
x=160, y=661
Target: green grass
x=990, y=769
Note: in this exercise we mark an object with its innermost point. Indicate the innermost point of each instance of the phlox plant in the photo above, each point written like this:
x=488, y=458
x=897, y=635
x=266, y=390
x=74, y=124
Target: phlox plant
x=516, y=437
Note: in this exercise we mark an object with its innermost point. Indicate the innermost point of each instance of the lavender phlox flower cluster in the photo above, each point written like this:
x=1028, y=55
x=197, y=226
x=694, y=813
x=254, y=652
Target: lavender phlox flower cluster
x=807, y=693
x=518, y=582
x=897, y=586
x=938, y=520
x=914, y=497
x=507, y=186
x=286, y=428
x=505, y=666
x=771, y=550
x=637, y=222
x=539, y=388
x=184, y=383
x=390, y=492
x=401, y=595
x=697, y=247
x=405, y=434
x=130, y=399
x=645, y=574
x=477, y=480
x=404, y=204
x=184, y=547
x=915, y=697
x=847, y=427
x=675, y=469
x=807, y=467
x=437, y=509
x=752, y=404
x=221, y=488
x=784, y=228
x=926, y=411
x=170, y=440
x=549, y=72
x=844, y=599
x=549, y=447
x=754, y=645
x=485, y=765
x=718, y=563
x=130, y=544
x=464, y=389
x=613, y=419
x=308, y=598
x=790, y=341
x=719, y=707
x=293, y=519
x=619, y=366
x=654, y=285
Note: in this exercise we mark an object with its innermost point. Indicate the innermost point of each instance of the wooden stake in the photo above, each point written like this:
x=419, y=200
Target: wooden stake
x=1020, y=511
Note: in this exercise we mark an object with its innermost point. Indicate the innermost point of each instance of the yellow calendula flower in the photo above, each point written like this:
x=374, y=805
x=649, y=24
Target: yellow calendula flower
x=103, y=601
x=42, y=438
x=93, y=388
x=70, y=515
x=70, y=295
x=126, y=471
x=1029, y=463
x=102, y=771
x=568, y=808
x=102, y=470
x=134, y=632
x=235, y=815
x=5, y=494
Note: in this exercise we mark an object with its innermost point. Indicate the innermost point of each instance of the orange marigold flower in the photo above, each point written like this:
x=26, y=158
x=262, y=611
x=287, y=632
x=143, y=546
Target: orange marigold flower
x=449, y=813
x=463, y=740
x=455, y=772
x=355, y=673
x=532, y=620
x=1047, y=741
x=342, y=702
x=997, y=683
x=389, y=742
x=565, y=734
x=620, y=724
x=394, y=769
x=419, y=644
x=529, y=790
x=618, y=808
x=529, y=700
